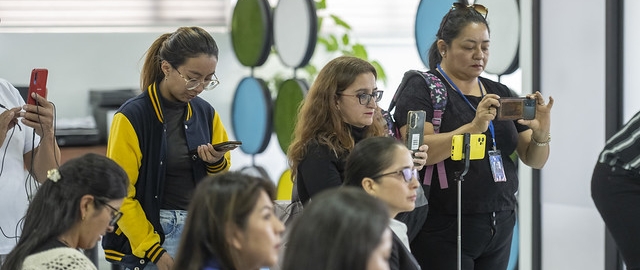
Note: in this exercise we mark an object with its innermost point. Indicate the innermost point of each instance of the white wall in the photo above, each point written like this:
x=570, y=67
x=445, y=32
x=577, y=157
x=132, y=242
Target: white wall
x=572, y=71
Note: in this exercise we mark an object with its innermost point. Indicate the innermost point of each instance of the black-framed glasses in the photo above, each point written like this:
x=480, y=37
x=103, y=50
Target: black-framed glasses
x=482, y=10
x=115, y=213
x=192, y=84
x=407, y=174
x=364, y=99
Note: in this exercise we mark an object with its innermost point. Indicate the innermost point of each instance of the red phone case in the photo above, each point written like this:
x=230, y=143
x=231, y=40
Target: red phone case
x=37, y=84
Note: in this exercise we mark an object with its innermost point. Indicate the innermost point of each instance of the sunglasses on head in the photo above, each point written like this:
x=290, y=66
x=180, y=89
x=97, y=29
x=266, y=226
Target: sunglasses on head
x=480, y=9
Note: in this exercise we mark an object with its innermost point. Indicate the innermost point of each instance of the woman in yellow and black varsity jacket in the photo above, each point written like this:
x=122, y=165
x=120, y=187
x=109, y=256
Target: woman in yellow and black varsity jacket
x=163, y=139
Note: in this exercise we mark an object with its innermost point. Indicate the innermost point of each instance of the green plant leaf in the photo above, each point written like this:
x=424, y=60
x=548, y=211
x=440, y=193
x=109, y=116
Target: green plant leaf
x=332, y=43
x=382, y=76
x=345, y=39
x=340, y=22
x=320, y=20
x=323, y=41
x=359, y=51
x=321, y=4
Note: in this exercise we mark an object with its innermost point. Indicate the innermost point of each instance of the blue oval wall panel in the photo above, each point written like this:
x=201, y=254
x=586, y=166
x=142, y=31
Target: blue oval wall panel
x=251, y=115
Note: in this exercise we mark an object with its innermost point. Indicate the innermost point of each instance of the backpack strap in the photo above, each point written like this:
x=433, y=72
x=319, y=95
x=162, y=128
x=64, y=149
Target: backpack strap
x=438, y=94
x=394, y=130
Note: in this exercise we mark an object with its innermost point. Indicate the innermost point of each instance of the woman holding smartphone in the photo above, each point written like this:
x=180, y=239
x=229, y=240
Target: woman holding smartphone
x=164, y=139
x=458, y=57
x=339, y=110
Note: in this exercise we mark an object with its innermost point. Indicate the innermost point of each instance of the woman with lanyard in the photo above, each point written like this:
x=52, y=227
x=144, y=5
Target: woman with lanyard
x=458, y=57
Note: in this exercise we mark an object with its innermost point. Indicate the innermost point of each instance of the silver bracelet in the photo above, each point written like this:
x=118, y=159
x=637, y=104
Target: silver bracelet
x=537, y=143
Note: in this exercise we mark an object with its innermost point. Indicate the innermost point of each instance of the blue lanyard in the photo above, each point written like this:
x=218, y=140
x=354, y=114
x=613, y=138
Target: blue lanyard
x=493, y=134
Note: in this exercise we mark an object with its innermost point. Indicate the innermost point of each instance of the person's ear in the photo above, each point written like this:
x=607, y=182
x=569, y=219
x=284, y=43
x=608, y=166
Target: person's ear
x=87, y=206
x=442, y=47
x=370, y=186
x=166, y=67
x=235, y=237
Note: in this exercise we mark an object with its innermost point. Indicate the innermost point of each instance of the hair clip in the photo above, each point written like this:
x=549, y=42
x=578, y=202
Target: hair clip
x=53, y=175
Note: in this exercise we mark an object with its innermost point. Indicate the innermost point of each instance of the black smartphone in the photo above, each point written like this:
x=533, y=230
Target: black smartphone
x=415, y=129
x=226, y=146
x=514, y=108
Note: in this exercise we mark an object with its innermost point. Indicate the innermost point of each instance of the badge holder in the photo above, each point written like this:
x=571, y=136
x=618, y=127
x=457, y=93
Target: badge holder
x=459, y=178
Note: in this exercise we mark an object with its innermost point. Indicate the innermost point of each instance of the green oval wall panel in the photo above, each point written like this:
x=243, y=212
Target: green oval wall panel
x=290, y=95
x=251, y=32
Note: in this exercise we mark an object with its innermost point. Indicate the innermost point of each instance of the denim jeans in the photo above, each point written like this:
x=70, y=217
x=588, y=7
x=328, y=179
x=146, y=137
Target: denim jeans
x=172, y=222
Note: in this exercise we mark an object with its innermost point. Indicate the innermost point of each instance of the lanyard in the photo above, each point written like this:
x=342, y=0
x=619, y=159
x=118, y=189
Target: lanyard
x=493, y=134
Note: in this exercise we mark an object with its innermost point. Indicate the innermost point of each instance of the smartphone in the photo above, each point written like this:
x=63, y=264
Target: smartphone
x=226, y=146
x=37, y=84
x=514, y=108
x=415, y=129
x=477, y=144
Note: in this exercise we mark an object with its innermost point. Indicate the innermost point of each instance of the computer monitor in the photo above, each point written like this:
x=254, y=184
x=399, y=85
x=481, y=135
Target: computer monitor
x=24, y=91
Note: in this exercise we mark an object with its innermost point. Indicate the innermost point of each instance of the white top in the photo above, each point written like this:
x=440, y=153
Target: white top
x=58, y=258
x=13, y=177
x=400, y=229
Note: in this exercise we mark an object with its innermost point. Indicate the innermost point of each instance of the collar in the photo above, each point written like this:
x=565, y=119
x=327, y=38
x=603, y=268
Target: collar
x=156, y=102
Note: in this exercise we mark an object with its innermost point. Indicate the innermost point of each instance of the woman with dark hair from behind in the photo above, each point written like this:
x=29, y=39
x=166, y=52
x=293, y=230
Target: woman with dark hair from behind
x=340, y=228
x=383, y=167
x=72, y=210
x=231, y=225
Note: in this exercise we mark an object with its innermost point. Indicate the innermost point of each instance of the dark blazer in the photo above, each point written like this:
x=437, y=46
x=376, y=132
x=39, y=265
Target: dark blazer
x=401, y=258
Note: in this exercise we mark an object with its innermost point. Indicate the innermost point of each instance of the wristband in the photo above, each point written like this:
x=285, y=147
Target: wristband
x=537, y=143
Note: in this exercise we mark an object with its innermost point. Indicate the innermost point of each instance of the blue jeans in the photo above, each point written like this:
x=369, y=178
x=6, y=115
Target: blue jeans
x=172, y=222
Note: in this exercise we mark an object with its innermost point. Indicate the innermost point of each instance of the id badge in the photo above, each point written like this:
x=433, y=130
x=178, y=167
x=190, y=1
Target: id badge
x=495, y=159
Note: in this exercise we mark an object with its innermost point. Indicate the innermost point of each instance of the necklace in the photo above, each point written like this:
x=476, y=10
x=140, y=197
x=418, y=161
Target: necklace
x=64, y=242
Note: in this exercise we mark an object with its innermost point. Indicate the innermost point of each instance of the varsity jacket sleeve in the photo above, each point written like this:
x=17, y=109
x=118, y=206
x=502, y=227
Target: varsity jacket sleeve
x=218, y=135
x=124, y=149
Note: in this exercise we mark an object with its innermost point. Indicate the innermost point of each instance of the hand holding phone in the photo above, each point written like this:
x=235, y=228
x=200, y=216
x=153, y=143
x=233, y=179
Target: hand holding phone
x=226, y=146
x=477, y=144
x=415, y=129
x=37, y=84
x=514, y=108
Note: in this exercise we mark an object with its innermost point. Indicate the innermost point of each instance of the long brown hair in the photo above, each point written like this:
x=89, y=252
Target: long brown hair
x=219, y=201
x=318, y=117
x=175, y=48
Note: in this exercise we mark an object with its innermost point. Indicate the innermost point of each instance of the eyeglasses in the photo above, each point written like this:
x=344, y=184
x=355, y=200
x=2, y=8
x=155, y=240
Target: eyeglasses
x=115, y=213
x=482, y=10
x=192, y=84
x=407, y=174
x=364, y=99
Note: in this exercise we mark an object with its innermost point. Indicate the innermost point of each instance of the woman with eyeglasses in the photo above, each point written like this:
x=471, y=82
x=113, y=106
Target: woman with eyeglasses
x=339, y=110
x=71, y=210
x=163, y=139
x=458, y=57
x=383, y=167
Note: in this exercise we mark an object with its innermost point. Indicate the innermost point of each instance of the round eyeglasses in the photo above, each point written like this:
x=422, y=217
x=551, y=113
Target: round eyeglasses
x=407, y=174
x=192, y=84
x=364, y=99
